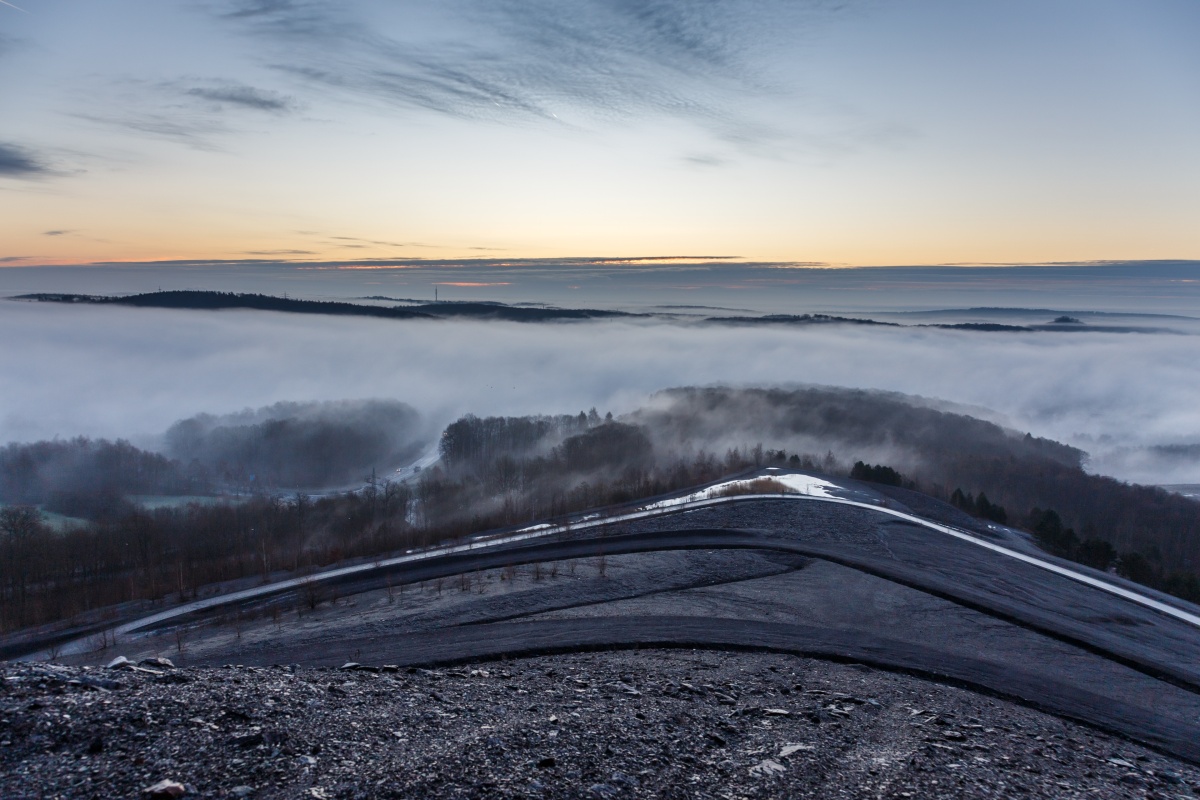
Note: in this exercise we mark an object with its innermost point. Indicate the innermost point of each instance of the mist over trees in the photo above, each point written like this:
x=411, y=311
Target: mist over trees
x=299, y=445
x=283, y=446
x=940, y=452
x=510, y=469
x=904, y=432
x=500, y=471
x=88, y=478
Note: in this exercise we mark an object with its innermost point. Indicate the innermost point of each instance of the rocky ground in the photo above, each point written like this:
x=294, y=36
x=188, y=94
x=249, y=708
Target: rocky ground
x=673, y=723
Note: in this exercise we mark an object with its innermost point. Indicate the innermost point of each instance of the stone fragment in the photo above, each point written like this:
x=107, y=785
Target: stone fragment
x=165, y=790
x=767, y=768
x=120, y=662
x=794, y=748
x=160, y=662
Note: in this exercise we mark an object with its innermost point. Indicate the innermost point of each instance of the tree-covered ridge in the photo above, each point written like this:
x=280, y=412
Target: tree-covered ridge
x=939, y=452
x=215, y=301
x=88, y=477
x=298, y=445
x=520, y=312
x=799, y=319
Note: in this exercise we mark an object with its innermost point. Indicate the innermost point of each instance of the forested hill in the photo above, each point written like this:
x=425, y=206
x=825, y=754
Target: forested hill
x=488, y=310
x=799, y=319
x=211, y=301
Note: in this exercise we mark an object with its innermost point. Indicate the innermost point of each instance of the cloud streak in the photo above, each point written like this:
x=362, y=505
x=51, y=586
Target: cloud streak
x=514, y=60
x=198, y=116
x=20, y=162
x=245, y=97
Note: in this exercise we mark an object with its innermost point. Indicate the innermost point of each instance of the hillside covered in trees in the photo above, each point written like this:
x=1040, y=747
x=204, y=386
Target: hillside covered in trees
x=282, y=447
x=298, y=445
x=499, y=471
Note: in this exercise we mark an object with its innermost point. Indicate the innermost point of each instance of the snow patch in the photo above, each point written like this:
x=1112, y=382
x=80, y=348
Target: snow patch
x=795, y=482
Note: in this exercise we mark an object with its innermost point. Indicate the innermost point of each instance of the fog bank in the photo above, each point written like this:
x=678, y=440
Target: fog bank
x=311, y=445
x=101, y=371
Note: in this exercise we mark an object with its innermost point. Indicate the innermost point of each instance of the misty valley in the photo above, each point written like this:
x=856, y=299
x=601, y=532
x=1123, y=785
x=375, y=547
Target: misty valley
x=295, y=487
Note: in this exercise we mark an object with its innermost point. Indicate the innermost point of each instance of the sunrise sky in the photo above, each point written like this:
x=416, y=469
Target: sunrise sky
x=844, y=133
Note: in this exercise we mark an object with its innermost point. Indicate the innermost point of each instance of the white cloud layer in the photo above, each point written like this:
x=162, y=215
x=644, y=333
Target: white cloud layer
x=69, y=370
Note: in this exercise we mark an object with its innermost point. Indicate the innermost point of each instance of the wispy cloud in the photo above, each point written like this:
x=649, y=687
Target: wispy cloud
x=20, y=162
x=354, y=241
x=241, y=96
x=57, y=233
x=513, y=60
x=198, y=113
x=704, y=160
x=194, y=131
x=280, y=253
x=14, y=259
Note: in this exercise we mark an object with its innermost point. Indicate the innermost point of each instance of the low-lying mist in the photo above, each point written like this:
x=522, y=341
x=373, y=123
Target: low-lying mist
x=307, y=445
x=110, y=372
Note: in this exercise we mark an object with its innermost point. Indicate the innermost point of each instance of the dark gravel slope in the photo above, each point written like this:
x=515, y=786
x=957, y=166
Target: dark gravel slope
x=677, y=724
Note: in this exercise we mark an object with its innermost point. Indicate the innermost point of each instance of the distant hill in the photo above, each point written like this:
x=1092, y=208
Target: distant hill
x=522, y=312
x=214, y=301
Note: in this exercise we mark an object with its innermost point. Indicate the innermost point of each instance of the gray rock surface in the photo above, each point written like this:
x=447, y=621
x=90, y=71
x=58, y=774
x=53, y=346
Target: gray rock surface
x=618, y=724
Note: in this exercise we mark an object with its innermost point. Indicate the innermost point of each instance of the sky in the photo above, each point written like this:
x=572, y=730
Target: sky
x=848, y=133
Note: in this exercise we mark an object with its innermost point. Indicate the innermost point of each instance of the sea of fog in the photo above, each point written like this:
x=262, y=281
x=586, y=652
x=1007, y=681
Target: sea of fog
x=112, y=371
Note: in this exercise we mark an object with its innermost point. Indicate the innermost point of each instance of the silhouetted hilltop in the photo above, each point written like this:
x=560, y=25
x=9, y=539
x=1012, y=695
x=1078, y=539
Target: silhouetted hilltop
x=519, y=312
x=799, y=319
x=215, y=301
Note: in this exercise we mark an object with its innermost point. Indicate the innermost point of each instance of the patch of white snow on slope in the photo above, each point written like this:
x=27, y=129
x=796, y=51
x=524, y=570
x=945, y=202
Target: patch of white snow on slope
x=795, y=483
